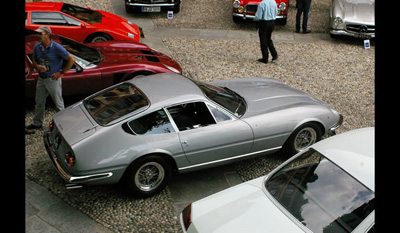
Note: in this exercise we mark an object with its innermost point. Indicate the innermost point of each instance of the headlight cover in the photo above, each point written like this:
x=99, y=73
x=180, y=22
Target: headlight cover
x=338, y=23
x=282, y=6
x=236, y=4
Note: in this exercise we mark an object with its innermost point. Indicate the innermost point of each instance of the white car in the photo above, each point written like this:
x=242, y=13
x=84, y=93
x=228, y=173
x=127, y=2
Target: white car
x=327, y=188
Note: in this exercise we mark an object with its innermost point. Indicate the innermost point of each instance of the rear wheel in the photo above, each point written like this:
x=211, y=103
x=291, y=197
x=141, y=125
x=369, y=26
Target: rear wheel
x=98, y=37
x=147, y=176
x=303, y=137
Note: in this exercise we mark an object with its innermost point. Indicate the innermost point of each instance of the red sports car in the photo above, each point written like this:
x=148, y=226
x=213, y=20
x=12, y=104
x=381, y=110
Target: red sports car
x=100, y=65
x=80, y=24
x=246, y=9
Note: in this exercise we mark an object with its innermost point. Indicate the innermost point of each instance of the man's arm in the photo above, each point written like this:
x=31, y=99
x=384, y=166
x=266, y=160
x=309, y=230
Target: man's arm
x=70, y=62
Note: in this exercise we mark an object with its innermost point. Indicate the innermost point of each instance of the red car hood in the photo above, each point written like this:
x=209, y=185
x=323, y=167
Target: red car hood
x=122, y=52
x=115, y=22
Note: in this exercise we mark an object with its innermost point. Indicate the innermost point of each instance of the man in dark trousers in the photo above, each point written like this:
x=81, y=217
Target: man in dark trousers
x=266, y=15
x=303, y=6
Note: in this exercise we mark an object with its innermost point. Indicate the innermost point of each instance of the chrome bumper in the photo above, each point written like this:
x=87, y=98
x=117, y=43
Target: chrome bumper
x=244, y=16
x=64, y=174
x=332, y=130
x=151, y=5
x=353, y=34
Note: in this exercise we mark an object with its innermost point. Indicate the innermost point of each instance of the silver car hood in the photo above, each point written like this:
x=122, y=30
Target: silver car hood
x=73, y=124
x=359, y=11
x=265, y=95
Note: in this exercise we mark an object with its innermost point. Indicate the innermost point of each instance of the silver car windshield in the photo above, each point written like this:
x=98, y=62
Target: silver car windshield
x=320, y=194
x=115, y=103
x=225, y=97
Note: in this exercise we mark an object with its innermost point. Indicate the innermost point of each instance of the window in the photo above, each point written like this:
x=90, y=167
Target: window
x=191, y=116
x=321, y=195
x=219, y=115
x=225, y=97
x=48, y=18
x=153, y=123
x=116, y=102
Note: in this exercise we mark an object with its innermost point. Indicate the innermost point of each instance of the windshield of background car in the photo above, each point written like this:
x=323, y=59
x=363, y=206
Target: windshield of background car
x=84, y=14
x=85, y=56
x=116, y=102
x=225, y=97
x=322, y=196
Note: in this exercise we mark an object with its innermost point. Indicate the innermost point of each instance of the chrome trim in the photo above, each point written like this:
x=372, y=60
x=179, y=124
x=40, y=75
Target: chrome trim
x=338, y=123
x=342, y=32
x=227, y=159
x=150, y=5
x=64, y=174
x=253, y=16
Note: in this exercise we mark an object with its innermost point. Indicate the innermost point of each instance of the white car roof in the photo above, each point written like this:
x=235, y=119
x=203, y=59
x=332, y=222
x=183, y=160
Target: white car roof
x=354, y=152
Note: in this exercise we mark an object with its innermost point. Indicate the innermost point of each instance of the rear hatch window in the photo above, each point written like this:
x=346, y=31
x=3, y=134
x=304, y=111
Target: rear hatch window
x=115, y=102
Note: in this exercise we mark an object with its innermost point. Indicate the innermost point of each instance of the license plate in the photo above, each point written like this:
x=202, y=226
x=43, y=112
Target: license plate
x=151, y=9
x=56, y=142
x=362, y=36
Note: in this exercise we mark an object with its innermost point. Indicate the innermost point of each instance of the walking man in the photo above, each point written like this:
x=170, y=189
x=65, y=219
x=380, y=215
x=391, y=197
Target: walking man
x=266, y=15
x=48, y=59
x=303, y=6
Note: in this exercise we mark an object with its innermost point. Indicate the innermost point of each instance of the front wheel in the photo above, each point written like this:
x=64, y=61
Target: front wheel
x=303, y=137
x=147, y=176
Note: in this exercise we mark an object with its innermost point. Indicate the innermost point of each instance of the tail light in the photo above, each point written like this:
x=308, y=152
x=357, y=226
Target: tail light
x=70, y=159
x=51, y=125
x=187, y=216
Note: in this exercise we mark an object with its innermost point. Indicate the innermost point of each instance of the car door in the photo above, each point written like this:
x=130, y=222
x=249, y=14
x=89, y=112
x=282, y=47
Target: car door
x=208, y=138
x=60, y=23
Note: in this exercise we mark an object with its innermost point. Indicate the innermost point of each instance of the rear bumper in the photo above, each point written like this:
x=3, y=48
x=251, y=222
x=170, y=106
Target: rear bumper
x=151, y=4
x=244, y=16
x=65, y=174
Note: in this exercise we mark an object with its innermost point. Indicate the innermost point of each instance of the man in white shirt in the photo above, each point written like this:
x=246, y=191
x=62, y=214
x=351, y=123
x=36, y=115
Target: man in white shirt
x=266, y=15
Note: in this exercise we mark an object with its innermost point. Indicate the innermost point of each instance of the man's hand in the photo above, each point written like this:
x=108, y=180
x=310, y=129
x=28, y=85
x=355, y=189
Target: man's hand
x=56, y=76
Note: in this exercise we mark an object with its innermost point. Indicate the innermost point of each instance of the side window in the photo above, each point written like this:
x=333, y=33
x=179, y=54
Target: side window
x=153, y=123
x=48, y=18
x=219, y=115
x=72, y=21
x=191, y=115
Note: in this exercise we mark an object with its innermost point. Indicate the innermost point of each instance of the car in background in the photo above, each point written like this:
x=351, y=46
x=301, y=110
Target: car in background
x=246, y=9
x=327, y=188
x=99, y=65
x=354, y=18
x=132, y=6
x=81, y=24
x=141, y=130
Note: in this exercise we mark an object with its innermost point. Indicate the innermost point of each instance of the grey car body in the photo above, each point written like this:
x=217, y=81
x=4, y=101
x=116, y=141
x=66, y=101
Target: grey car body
x=353, y=18
x=141, y=130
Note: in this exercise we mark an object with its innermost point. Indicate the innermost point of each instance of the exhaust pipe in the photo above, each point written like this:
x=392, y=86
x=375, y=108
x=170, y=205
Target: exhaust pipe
x=73, y=186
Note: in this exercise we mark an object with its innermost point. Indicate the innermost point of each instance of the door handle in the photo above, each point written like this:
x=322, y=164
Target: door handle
x=185, y=143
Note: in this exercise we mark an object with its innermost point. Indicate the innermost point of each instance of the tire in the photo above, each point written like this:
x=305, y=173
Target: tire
x=148, y=176
x=303, y=137
x=98, y=37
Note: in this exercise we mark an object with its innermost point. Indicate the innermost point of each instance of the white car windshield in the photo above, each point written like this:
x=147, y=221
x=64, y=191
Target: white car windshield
x=321, y=195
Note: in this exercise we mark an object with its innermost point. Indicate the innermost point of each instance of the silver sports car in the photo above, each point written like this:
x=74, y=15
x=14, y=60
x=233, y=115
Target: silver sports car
x=353, y=18
x=142, y=130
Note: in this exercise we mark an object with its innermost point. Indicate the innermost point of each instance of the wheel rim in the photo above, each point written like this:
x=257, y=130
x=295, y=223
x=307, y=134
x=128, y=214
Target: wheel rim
x=99, y=39
x=149, y=176
x=305, y=138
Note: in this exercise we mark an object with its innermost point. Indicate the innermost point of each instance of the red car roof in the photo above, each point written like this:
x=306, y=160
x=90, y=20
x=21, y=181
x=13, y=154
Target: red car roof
x=43, y=6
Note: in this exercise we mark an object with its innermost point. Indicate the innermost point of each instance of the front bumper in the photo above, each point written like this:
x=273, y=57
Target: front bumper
x=332, y=130
x=343, y=32
x=151, y=4
x=65, y=174
x=244, y=16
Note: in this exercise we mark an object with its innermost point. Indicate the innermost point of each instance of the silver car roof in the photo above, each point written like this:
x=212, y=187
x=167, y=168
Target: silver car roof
x=167, y=89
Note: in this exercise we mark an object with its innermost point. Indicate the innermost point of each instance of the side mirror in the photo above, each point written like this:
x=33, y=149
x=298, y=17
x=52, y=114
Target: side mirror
x=83, y=25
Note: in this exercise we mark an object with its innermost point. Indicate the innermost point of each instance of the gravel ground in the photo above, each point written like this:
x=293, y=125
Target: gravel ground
x=340, y=74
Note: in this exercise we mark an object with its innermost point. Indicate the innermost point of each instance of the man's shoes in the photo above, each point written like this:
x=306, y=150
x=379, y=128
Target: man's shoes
x=274, y=59
x=32, y=126
x=262, y=60
x=306, y=31
x=297, y=31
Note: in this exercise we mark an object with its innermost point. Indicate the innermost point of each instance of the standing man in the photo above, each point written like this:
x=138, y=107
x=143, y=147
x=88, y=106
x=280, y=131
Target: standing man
x=48, y=59
x=303, y=6
x=266, y=15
